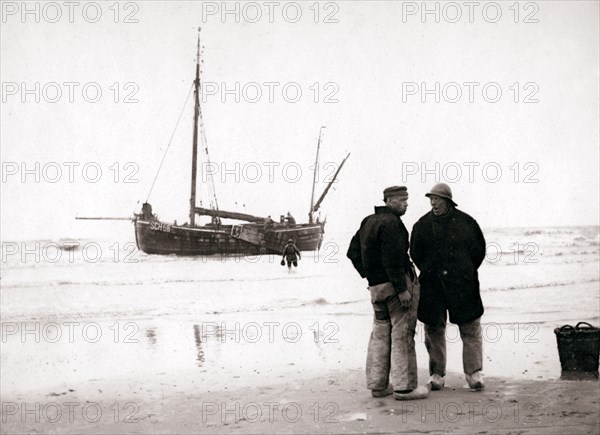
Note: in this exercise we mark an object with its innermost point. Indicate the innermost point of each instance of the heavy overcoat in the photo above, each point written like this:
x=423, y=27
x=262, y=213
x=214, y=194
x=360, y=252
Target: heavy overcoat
x=448, y=250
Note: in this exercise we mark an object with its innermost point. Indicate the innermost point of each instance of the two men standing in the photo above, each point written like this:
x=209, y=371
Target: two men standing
x=448, y=247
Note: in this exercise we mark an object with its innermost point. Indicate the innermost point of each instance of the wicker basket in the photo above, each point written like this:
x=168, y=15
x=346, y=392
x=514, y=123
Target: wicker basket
x=578, y=347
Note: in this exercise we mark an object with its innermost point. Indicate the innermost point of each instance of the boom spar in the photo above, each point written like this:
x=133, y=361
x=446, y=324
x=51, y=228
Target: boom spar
x=318, y=204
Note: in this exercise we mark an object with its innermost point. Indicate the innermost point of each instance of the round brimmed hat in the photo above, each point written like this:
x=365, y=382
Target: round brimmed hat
x=443, y=191
x=395, y=191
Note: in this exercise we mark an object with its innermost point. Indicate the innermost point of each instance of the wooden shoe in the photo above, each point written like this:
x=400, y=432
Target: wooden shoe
x=475, y=381
x=383, y=393
x=420, y=392
x=437, y=382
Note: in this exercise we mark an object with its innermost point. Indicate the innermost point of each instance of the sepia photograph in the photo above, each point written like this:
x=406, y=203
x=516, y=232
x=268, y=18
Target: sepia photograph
x=300, y=217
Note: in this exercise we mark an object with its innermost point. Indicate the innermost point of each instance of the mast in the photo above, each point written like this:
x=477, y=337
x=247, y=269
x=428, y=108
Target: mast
x=195, y=139
x=312, y=195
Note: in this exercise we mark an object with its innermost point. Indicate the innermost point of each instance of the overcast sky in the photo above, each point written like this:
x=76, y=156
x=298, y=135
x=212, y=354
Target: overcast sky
x=369, y=71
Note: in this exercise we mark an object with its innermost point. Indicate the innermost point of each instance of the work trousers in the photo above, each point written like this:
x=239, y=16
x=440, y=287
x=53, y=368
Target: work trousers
x=392, y=343
x=472, y=355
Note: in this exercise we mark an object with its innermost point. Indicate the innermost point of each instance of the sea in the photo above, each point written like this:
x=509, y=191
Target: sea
x=93, y=314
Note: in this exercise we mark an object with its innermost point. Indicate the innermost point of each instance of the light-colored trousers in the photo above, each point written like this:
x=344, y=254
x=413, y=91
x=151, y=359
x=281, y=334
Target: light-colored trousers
x=472, y=355
x=392, y=344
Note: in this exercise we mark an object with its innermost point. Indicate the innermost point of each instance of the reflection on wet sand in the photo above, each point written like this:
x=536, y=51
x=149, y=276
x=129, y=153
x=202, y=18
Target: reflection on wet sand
x=198, y=340
x=151, y=334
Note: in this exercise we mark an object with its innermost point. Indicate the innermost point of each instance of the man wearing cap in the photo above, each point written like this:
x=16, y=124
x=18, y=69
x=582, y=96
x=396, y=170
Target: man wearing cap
x=448, y=247
x=379, y=252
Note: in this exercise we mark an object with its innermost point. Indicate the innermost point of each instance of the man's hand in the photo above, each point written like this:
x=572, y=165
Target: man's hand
x=405, y=298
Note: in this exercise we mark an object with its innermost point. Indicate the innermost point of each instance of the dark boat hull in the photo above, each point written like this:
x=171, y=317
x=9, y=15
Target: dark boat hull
x=155, y=237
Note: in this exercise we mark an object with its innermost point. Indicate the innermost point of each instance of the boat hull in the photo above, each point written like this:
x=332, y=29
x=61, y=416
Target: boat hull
x=155, y=237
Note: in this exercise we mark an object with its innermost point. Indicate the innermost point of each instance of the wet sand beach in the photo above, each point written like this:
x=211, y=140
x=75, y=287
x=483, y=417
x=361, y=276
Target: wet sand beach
x=332, y=403
x=295, y=372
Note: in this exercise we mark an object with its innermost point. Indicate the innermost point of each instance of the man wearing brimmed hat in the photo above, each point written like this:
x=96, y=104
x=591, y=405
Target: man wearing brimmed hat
x=448, y=247
x=379, y=252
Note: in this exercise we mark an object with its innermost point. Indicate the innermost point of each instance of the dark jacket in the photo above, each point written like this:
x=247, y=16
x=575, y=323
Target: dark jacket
x=379, y=249
x=290, y=251
x=448, y=250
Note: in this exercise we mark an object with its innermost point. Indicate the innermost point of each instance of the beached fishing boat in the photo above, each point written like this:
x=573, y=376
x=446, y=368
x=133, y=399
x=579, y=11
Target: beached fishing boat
x=250, y=236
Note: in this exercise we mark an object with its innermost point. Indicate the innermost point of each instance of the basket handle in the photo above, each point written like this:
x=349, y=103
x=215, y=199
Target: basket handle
x=565, y=327
x=586, y=325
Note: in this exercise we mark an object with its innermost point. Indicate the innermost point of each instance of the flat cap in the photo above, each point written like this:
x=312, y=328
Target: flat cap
x=395, y=190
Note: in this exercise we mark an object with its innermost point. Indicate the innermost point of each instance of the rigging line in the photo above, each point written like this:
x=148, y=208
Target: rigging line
x=211, y=181
x=170, y=141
